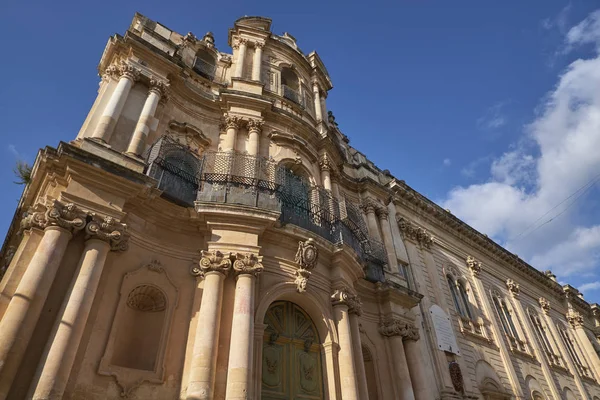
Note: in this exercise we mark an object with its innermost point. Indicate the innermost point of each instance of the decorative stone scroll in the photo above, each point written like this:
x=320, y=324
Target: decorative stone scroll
x=397, y=327
x=109, y=230
x=545, y=304
x=341, y=296
x=306, y=258
x=212, y=261
x=474, y=265
x=512, y=287
x=415, y=233
x=67, y=216
x=248, y=263
x=574, y=318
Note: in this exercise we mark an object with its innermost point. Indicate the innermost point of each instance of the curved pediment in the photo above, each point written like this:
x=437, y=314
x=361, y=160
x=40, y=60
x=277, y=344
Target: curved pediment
x=188, y=135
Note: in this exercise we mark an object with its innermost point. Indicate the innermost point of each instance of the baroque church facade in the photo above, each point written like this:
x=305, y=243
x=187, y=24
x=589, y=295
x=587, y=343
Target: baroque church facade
x=211, y=234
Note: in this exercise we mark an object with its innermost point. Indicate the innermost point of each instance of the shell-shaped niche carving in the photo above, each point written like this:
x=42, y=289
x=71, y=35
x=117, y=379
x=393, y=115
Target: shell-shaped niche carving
x=147, y=298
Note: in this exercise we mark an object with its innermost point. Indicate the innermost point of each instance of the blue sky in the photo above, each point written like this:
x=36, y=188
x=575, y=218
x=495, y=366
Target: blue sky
x=488, y=109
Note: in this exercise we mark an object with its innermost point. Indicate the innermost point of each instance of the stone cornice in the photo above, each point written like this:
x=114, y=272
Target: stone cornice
x=413, y=232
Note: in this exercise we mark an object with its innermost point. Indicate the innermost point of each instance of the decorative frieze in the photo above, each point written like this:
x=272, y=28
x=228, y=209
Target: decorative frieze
x=248, y=264
x=474, y=265
x=109, y=230
x=513, y=287
x=306, y=258
x=415, y=233
x=574, y=318
x=544, y=304
x=212, y=261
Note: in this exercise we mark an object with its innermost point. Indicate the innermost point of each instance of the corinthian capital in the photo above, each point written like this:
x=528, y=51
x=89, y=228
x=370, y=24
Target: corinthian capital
x=109, y=230
x=369, y=205
x=67, y=216
x=255, y=125
x=212, y=261
x=382, y=213
x=129, y=71
x=325, y=163
x=158, y=86
x=574, y=318
x=232, y=121
x=248, y=263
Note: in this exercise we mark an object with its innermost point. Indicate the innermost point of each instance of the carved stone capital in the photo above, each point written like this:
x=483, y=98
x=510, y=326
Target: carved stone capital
x=259, y=45
x=369, y=205
x=382, y=213
x=354, y=305
x=574, y=318
x=255, y=125
x=67, y=216
x=325, y=163
x=239, y=42
x=33, y=219
x=212, y=261
x=109, y=230
x=232, y=121
x=129, y=71
x=396, y=327
x=415, y=233
x=158, y=86
x=474, y=265
x=247, y=264
x=545, y=304
x=513, y=287
x=341, y=296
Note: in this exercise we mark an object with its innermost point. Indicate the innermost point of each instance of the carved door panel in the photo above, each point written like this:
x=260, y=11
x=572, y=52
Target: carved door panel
x=291, y=364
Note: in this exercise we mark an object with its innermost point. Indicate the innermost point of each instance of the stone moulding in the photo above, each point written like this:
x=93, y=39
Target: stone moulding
x=306, y=257
x=415, y=233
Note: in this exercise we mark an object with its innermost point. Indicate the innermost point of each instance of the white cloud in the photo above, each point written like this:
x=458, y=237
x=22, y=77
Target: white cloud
x=447, y=162
x=13, y=149
x=586, y=287
x=493, y=118
x=527, y=181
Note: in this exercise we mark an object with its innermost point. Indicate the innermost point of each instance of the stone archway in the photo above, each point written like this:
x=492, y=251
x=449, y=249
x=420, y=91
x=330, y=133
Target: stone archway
x=291, y=356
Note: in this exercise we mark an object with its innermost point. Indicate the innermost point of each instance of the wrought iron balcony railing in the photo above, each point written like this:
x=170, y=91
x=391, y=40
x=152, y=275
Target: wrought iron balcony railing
x=292, y=95
x=205, y=68
x=228, y=177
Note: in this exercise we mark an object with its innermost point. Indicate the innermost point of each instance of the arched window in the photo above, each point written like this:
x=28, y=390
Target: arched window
x=290, y=85
x=536, y=396
x=178, y=178
x=508, y=323
x=544, y=338
x=573, y=350
x=460, y=297
x=205, y=64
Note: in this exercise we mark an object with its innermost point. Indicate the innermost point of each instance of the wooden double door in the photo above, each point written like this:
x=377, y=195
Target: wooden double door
x=291, y=356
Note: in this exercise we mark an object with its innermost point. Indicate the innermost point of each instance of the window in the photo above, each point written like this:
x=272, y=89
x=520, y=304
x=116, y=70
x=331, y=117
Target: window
x=573, y=351
x=507, y=321
x=205, y=64
x=290, y=85
x=460, y=297
x=542, y=334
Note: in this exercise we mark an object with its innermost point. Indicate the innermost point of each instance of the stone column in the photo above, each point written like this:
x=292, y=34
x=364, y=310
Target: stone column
x=576, y=321
x=545, y=305
x=146, y=122
x=355, y=310
x=52, y=376
x=514, y=290
x=414, y=359
x=325, y=165
x=214, y=267
x=257, y=61
x=394, y=330
x=369, y=206
x=59, y=222
x=232, y=124
x=239, y=373
x=476, y=268
x=386, y=230
x=346, y=354
x=254, y=131
x=106, y=125
x=317, y=100
x=239, y=66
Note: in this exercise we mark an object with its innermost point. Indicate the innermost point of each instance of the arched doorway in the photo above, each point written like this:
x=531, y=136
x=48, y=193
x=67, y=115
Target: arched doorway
x=291, y=356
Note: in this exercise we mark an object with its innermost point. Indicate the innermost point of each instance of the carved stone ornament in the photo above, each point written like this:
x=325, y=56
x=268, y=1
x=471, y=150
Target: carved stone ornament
x=248, y=263
x=340, y=296
x=306, y=258
x=232, y=121
x=545, y=304
x=189, y=135
x=67, y=216
x=255, y=125
x=397, y=327
x=415, y=233
x=325, y=163
x=512, y=287
x=382, y=213
x=456, y=377
x=474, y=265
x=212, y=261
x=354, y=305
x=109, y=230
x=574, y=318
x=159, y=86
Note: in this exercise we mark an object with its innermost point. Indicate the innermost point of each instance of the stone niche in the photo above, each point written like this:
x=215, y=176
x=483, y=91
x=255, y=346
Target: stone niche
x=137, y=342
